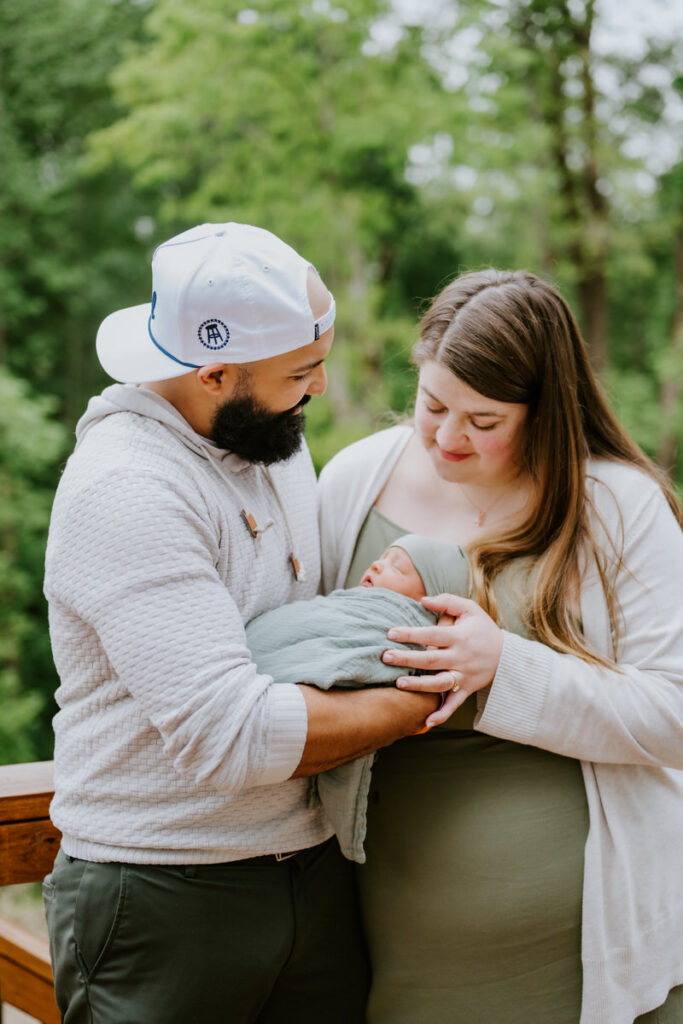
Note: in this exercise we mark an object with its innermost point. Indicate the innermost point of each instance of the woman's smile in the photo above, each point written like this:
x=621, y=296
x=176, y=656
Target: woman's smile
x=454, y=456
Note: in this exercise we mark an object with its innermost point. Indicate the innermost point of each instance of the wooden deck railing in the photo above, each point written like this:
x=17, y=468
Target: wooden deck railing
x=28, y=846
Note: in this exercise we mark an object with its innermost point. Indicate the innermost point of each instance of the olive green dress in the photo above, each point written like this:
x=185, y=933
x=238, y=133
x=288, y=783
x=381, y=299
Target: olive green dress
x=472, y=889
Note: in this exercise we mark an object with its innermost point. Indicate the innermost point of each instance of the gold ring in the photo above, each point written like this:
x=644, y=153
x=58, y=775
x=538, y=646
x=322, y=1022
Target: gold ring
x=456, y=684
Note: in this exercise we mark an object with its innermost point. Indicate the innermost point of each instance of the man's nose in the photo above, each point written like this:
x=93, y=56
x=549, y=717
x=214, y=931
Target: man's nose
x=318, y=382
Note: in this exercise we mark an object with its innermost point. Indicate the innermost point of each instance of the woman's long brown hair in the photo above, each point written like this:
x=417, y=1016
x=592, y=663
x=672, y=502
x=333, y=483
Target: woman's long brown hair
x=512, y=337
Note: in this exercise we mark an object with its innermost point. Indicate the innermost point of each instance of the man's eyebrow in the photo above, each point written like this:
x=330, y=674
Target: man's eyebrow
x=308, y=366
x=483, y=412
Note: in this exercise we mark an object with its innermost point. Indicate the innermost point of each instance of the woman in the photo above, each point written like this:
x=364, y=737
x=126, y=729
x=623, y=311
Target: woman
x=524, y=857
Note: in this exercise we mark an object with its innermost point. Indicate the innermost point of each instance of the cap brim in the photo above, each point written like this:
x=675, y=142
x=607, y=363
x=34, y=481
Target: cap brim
x=128, y=354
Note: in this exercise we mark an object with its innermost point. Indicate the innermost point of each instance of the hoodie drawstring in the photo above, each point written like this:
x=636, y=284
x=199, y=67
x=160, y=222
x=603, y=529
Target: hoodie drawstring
x=298, y=570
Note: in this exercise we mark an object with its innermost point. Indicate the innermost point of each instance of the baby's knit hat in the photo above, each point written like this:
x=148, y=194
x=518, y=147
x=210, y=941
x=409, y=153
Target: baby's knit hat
x=443, y=568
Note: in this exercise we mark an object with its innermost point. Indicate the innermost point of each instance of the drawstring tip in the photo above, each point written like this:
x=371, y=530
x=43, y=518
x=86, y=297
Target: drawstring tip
x=254, y=529
x=297, y=568
x=249, y=522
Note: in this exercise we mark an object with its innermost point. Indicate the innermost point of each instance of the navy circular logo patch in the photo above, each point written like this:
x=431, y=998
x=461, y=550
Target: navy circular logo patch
x=213, y=334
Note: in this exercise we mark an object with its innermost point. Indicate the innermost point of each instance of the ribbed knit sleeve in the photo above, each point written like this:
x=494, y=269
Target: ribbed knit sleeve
x=629, y=715
x=135, y=560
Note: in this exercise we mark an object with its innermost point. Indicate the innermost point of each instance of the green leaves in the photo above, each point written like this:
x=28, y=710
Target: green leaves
x=394, y=145
x=30, y=445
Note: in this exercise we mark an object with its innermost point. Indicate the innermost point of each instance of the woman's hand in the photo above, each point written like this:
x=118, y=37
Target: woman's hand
x=464, y=656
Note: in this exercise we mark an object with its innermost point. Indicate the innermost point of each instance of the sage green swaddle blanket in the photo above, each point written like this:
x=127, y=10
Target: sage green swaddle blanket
x=338, y=640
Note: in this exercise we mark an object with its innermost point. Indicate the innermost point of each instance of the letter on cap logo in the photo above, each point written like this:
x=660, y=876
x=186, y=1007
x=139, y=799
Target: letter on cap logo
x=213, y=334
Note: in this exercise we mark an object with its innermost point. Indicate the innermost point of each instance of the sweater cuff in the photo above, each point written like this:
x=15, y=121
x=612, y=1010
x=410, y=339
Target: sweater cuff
x=289, y=715
x=515, y=700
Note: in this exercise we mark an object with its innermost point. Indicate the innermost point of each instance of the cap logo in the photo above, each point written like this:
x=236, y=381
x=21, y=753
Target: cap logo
x=213, y=334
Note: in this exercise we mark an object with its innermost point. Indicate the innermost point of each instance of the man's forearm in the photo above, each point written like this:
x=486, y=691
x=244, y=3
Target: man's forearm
x=344, y=724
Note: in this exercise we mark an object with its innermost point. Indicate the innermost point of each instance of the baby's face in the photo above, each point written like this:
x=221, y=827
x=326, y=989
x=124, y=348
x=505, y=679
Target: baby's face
x=393, y=570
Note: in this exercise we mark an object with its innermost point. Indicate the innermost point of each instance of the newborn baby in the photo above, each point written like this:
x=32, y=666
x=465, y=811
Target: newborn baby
x=338, y=640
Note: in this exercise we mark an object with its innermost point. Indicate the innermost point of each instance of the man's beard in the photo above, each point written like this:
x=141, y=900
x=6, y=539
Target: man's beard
x=246, y=428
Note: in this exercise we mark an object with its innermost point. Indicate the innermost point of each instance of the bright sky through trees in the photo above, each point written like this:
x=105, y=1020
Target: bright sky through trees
x=622, y=28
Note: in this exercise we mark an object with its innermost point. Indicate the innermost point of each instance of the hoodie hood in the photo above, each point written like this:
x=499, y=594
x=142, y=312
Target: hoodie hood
x=142, y=402
x=130, y=398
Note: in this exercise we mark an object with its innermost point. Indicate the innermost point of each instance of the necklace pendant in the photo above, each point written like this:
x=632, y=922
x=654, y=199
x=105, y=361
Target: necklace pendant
x=480, y=518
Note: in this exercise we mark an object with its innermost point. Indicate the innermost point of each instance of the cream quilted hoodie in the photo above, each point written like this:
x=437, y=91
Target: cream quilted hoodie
x=170, y=747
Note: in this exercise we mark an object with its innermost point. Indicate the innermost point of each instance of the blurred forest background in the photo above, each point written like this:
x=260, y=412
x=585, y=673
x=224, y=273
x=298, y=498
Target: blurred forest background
x=393, y=142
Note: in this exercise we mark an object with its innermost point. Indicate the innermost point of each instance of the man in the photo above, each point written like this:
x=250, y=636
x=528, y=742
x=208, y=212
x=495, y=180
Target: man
x=197, y=879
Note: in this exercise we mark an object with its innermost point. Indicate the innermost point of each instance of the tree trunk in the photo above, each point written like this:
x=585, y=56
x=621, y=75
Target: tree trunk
x=592, y=278
x=585, y=210
x=592, y=299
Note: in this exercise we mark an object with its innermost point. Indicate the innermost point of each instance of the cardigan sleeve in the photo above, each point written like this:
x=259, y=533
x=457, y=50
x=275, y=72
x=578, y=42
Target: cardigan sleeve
x=133, y=559
x=629, y=715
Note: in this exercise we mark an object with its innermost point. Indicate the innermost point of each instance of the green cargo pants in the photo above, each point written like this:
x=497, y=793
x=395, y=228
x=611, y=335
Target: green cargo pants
x=258, y=941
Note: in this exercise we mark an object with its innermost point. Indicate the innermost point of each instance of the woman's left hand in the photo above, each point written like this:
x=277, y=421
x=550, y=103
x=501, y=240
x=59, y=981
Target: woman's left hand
x=464, y=656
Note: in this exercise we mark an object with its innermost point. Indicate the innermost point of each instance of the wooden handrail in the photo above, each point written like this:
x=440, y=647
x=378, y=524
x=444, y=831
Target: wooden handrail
x=25, y=790
x=28, y=845
x=28, y=839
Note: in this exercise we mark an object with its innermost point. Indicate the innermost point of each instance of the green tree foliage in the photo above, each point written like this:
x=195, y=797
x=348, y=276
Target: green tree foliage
x=273, y=115
x=67, y=244
x=547, y=161
x=494, y=132
x=646, y=377
x=30, y=444
x=279, y=116
x=563, y=169
x=67, y=250
x=395, y=144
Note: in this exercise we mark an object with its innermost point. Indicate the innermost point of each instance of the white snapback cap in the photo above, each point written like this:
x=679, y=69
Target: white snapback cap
x=222, y=293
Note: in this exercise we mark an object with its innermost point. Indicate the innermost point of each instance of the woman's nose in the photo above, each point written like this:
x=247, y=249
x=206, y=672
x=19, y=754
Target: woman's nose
x=451, y=434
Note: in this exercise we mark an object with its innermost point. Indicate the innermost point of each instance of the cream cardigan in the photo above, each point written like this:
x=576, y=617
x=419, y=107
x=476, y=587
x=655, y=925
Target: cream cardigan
x=625, y=727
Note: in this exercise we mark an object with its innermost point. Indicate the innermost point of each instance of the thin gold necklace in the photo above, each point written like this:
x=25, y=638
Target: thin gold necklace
x=481, y=512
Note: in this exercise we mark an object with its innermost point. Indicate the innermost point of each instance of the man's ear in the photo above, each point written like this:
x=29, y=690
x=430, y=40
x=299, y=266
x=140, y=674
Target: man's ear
x=218, y=379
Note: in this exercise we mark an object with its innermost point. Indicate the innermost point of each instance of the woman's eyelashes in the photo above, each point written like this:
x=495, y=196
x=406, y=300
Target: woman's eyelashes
x=440, y=410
